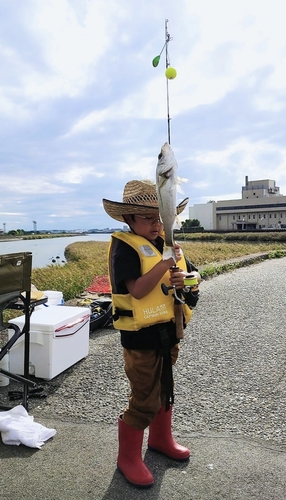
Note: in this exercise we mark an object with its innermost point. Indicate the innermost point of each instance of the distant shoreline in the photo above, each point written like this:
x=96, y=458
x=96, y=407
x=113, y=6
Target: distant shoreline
x=37, y=237
x=42, y=236
x=6, y=240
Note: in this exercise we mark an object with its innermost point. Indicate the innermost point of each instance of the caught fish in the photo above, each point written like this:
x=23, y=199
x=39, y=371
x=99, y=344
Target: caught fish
x=166, y=186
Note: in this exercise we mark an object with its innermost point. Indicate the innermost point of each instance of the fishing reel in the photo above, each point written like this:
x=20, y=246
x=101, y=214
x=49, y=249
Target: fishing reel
x=189, y=292
x=165, y=289
x=191, y=283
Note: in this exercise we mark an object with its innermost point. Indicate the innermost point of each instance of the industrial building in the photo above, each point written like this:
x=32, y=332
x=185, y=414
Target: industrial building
x=260, y=207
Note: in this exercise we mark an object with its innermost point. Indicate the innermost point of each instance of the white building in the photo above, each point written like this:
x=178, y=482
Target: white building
x=261, y=206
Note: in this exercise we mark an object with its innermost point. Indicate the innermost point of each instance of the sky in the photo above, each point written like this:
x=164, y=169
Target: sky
x=83, y=110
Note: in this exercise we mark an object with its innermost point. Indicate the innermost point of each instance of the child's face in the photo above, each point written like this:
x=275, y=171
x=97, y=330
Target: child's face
x=148, y=226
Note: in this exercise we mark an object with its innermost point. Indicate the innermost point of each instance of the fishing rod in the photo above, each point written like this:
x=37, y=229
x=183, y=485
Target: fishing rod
x=168, y=38
x=170, y=74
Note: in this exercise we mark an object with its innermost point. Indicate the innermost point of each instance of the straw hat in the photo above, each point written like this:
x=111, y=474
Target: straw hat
x=139, y=197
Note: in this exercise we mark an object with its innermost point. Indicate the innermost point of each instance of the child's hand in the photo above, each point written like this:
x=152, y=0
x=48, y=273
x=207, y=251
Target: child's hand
x=178, y=255
x=177, y=276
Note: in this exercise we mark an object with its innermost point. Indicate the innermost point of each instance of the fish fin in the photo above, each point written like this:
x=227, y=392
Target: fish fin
x=181, y=180
x=169, y=253
x=177, y=223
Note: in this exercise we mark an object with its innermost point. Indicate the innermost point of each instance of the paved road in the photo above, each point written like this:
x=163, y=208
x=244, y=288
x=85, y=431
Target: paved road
x=230, y=408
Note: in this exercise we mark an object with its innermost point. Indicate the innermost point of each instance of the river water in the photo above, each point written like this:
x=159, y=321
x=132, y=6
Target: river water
x=47, y=250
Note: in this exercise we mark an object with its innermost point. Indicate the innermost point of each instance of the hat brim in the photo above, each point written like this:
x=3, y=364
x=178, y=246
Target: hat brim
x=117, y=210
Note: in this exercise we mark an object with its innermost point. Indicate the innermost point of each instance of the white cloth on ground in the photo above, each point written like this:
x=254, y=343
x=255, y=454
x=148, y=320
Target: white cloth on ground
x=18, y=427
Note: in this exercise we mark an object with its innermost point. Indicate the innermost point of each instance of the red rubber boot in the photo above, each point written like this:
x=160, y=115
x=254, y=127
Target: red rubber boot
x=129, y=459
x=161, y=440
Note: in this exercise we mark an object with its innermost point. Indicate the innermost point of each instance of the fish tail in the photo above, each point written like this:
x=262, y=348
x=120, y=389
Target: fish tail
x=169, y=253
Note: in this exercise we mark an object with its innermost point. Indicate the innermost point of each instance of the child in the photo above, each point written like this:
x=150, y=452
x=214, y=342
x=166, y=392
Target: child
x=145, y=317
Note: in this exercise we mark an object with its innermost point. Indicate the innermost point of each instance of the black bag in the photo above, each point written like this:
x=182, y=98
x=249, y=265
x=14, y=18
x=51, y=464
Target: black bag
x=101, y=313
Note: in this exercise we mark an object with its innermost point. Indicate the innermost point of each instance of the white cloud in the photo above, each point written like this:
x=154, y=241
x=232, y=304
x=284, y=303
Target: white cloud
x=71, y=50
x=76, y=174
x=223, y=53
x=251, y=154
x=228, y=44
x=23, y=185
x=95, y=119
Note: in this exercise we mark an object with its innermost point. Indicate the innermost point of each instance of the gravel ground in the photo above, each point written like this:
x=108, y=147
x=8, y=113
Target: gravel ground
x=230, y=376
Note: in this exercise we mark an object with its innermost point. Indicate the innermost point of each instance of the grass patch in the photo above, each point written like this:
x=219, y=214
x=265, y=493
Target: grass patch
x=88, y=259
x=259, y=237
x=85, y=260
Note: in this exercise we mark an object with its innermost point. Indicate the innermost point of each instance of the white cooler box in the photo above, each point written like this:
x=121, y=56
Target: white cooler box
x=59, y=337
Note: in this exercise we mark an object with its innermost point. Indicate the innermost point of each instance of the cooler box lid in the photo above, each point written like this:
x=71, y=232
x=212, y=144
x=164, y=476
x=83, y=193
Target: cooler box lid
x=61, y=321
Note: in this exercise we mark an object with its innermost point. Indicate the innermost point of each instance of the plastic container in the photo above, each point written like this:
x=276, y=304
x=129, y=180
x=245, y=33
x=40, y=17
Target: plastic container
x=54, y=298
x=59, y=338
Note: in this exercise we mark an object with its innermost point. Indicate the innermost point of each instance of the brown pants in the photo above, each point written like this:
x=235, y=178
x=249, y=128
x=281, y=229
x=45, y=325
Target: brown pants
x=144, y=370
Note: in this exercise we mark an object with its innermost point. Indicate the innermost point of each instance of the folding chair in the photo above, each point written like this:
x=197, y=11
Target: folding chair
x=15, y=293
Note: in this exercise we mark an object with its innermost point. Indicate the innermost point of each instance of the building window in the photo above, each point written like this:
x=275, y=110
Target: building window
x=253, y=216
x=249, y=216
x=274, y=216
x=233, y=217
x=239, y=217
x=243, y=207
x=270, y=216
x=220, y=217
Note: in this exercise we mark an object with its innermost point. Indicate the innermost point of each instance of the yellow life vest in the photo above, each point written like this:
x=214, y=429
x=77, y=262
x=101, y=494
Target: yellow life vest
x=132, y=314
